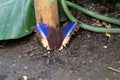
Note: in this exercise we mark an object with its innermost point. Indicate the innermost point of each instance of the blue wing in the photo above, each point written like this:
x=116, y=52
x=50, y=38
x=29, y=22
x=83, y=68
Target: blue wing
x=43, y=30
x=67, y=31
x=46, y=34
x=51, y=38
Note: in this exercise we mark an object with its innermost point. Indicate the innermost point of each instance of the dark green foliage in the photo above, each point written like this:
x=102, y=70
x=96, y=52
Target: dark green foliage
x=16, y=18
x=117, y=6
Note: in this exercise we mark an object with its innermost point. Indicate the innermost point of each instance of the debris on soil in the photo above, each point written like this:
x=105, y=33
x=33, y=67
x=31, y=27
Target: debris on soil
x=113, y=69
x=85, y=58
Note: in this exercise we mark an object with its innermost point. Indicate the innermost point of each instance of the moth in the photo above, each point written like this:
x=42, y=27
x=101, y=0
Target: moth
x=55, y=39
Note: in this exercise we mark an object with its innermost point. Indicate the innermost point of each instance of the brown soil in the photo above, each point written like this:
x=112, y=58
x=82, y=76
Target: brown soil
x=87, y=57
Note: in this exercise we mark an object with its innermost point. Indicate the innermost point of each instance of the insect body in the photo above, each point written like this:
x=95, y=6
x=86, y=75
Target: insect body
x=53, y=39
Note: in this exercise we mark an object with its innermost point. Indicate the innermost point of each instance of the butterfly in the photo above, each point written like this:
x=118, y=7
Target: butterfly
x=51, y=38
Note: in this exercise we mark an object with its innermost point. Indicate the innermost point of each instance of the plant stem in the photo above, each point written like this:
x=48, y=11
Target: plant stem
x=67, y=12
x=100, y=30
x=93, y=14
x=85, y=26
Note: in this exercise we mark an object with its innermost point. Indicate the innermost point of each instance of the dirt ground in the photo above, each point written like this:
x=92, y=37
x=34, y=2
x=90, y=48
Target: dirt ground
x=89, y=56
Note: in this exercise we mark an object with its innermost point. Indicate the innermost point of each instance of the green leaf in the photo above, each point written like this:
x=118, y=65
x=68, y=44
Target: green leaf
x=117, y=6
x=62, y=15
x=95, y=0
x=17, y=18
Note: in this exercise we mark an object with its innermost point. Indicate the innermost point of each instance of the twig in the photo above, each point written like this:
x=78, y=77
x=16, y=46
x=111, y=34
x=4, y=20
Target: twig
x=113, y=69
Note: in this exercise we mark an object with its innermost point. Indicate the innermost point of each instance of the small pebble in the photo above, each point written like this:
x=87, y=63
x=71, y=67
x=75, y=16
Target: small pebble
x=118, y=61
x=88, y=36
x=105, y=47
x=79, y=79
x=26, y=67
x=14, y=61
x=107, y=78
x=13, y=65
x=23, y=78
x=19, y=56
x=48, y=52
x=70, y=72
x=31, y=55
x=90, y=61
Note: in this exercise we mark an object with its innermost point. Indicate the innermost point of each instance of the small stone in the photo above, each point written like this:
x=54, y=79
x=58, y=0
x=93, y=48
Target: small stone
x=105, y=47
x=48, y=52
x=88, y=36
x=19, y=56
x=14, y=61
x=70, y=72
x=31, y=55
x=90, y=61
x=118, y=61
x=79, y=79
x=26, y=67
x=13, y=65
